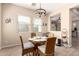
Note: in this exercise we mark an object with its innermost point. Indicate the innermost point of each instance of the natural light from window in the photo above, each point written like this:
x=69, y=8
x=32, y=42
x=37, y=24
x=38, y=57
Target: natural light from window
x=24, y=23
x=37, y=25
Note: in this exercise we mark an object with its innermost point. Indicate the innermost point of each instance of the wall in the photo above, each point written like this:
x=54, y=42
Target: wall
x=65, y=21
x=45, y=21
x=0, y=25
x=10, y=35
x=10, y=32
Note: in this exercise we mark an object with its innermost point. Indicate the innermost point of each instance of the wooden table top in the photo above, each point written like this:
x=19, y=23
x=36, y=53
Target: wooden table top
x=38, y=39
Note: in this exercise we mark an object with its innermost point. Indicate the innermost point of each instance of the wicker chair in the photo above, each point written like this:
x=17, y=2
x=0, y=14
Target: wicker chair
x=33, y=34
x=48, y=49
x=27, y=47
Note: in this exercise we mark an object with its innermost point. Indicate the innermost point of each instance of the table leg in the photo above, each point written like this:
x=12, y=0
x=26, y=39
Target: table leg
x=36, y=48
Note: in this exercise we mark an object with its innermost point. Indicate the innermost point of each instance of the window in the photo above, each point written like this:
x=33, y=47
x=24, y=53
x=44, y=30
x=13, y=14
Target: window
x=37, y=25
x=24, y=23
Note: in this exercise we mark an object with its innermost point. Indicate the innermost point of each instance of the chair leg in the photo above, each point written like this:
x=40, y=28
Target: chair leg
x=33, y=53
x=38, y=55
x=22, y=54
x=29, y=53
x=53, y=54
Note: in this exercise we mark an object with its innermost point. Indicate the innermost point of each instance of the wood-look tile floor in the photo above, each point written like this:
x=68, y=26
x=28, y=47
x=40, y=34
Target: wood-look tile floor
x=59, y=51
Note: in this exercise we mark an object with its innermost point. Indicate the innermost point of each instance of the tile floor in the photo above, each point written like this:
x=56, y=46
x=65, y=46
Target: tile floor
x=59, y=51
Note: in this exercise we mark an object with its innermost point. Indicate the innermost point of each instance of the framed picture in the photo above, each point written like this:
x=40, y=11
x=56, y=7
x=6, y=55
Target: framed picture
x=8, y=20
x=55, y=23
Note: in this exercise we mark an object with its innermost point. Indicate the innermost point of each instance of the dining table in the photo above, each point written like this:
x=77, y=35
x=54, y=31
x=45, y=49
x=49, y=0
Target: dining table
x=37, y=41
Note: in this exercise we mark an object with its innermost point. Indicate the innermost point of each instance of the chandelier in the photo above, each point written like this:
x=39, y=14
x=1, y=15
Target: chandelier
x=40, y=12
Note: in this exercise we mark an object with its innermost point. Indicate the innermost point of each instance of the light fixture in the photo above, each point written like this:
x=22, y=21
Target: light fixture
x=40, y=12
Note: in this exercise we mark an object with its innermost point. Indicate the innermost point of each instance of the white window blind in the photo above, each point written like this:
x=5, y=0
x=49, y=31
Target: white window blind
x=24, y=23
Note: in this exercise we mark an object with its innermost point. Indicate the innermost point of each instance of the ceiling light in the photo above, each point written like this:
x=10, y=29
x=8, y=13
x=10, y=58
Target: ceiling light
x=40, y=12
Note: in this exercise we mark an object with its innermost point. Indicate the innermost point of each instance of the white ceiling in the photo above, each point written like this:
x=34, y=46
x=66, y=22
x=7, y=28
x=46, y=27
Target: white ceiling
x=49, y=7
x=75, y=11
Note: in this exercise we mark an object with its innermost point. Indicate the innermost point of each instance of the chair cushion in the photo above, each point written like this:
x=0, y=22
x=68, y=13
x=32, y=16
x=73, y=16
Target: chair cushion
x=28, y=45
x=42, y=48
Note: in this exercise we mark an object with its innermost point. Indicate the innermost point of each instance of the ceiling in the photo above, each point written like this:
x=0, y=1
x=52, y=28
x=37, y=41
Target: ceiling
x=75, y=11
x=49, y=7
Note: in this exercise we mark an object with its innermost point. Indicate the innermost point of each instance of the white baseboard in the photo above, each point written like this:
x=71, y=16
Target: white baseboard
x=10, y=45
x=69, y=46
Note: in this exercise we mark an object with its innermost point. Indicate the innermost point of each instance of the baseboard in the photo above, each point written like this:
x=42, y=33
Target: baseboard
x=69, y=46
x=10, y=46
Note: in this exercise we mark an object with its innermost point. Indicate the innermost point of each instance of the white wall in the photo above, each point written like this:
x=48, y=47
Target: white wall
x=0, y=25
x=10, y=33
x=65, y=21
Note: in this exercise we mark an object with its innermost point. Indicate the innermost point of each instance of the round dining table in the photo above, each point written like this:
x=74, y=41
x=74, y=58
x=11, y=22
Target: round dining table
x=37, y=41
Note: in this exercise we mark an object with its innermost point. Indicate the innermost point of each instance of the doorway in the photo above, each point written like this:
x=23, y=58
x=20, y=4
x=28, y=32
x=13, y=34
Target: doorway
x=74, y=14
